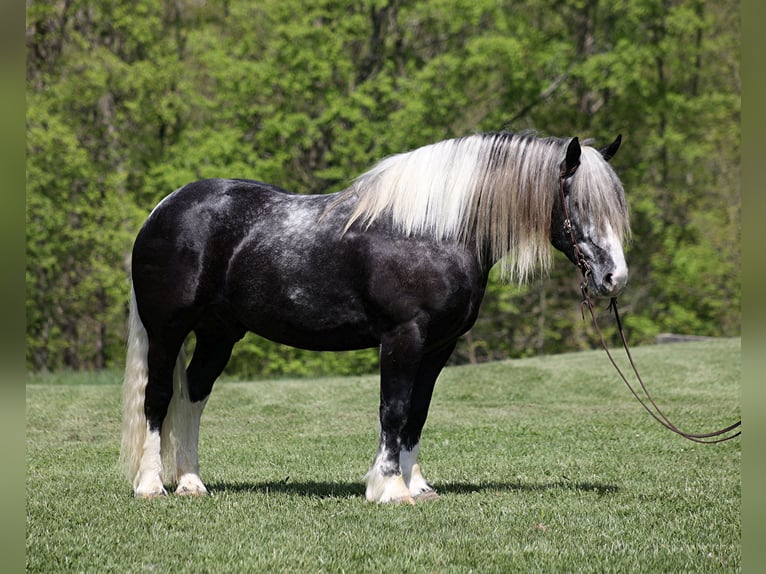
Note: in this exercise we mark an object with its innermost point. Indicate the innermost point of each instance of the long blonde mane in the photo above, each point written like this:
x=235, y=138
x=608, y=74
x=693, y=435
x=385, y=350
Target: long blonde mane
x=495, y=190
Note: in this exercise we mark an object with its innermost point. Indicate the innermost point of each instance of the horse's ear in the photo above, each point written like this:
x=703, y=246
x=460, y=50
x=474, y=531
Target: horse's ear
x=609, y=151
x=572, y=160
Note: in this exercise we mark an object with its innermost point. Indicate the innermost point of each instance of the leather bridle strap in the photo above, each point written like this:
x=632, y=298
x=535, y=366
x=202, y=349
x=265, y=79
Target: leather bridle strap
x=654, y=410
x=649, y=404
x=579, y=258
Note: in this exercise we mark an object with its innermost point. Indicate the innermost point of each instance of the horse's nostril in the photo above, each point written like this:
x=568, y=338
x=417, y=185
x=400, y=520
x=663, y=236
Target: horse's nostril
x=608, y=279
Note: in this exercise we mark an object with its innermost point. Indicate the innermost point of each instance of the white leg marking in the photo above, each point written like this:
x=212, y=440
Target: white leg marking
x=187, y=463
x=180, y=436
x=385, y=487
x=148, y=481
x=413, y=478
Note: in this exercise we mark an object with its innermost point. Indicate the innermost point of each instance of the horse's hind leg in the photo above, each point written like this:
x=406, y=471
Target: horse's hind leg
x=211, y=353
x=161, y=359
x=429, y=370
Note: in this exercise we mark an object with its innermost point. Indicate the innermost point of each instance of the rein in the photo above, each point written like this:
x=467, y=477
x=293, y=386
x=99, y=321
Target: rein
x=649, y=405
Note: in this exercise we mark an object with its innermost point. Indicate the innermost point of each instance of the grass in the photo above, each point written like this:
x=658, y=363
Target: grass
x=544, y=465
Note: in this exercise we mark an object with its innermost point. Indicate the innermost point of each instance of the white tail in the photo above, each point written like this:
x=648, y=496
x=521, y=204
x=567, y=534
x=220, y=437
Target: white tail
x=178, y=429
x=134, y=386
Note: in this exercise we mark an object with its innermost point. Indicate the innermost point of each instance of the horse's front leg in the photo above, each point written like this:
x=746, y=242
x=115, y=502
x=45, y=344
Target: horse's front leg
x=400, y=356
x=430, y=367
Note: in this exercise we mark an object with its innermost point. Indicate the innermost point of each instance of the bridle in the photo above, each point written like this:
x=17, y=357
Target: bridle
x=651, y=407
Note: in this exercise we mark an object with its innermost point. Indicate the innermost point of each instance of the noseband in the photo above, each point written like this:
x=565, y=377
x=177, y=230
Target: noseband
x=651, y=407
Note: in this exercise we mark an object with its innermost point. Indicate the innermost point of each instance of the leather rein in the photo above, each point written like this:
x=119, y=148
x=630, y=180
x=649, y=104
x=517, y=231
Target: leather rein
x=648, y=403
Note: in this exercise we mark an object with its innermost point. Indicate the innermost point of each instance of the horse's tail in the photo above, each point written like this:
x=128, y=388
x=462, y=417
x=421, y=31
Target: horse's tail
x=133, y=388
x=134, y=425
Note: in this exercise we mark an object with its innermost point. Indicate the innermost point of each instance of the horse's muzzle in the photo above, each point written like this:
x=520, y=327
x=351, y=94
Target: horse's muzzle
x=610, y=284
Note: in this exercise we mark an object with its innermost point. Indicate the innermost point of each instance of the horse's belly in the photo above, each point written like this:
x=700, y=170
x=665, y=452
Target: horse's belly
x=308, y=316
x=306, y=331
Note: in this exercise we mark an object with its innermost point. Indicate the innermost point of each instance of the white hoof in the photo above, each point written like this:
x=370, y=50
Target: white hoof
x=190, y=485
x=385, y=489
x=416, y=484
x=149, y=487
x=413, y=478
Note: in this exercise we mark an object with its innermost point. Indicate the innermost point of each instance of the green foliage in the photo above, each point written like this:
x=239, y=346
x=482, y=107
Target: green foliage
x=257, y=357
x=128, y=101
x=542, y=464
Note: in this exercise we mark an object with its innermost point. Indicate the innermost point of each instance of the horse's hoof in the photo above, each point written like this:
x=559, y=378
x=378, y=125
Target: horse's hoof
x=190, y=485
x=146, y=495
x=184, y=491
x=426, y=496
x=403, y=500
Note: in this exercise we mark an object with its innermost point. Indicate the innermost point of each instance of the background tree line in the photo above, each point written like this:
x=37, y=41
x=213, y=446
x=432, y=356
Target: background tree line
x=126, y=101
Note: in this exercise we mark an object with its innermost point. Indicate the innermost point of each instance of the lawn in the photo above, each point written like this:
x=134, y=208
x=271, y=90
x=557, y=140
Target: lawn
x=543, y=465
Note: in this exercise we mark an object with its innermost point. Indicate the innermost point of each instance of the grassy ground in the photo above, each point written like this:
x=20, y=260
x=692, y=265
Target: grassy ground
x=544, y=465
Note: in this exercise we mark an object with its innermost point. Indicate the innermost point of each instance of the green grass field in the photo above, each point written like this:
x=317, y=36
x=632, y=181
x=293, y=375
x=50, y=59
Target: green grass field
x=544, y=465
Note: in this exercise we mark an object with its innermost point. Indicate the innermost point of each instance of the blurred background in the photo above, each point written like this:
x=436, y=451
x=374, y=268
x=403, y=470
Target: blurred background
x=128, y=101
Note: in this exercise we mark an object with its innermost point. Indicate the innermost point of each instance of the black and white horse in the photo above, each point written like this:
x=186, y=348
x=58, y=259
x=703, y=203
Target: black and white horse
x=399, y=261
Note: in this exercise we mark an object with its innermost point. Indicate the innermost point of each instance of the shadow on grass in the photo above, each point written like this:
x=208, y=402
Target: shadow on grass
x=469, y=488
x=354, y=489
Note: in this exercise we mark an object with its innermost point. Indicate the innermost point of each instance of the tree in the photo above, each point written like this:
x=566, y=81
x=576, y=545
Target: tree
x=128, y=101
x=88, y=86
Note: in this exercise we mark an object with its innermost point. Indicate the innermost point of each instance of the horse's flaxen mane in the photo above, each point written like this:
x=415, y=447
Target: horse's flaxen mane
x=496, y=189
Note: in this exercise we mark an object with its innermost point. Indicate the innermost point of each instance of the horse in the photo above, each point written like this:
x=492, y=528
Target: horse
x=398, y=260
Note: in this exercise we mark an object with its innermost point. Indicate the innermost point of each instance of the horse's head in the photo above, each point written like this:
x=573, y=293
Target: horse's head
x=590, y=216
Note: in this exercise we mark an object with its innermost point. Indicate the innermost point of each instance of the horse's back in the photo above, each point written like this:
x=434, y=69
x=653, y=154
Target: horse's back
x=206, y=201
